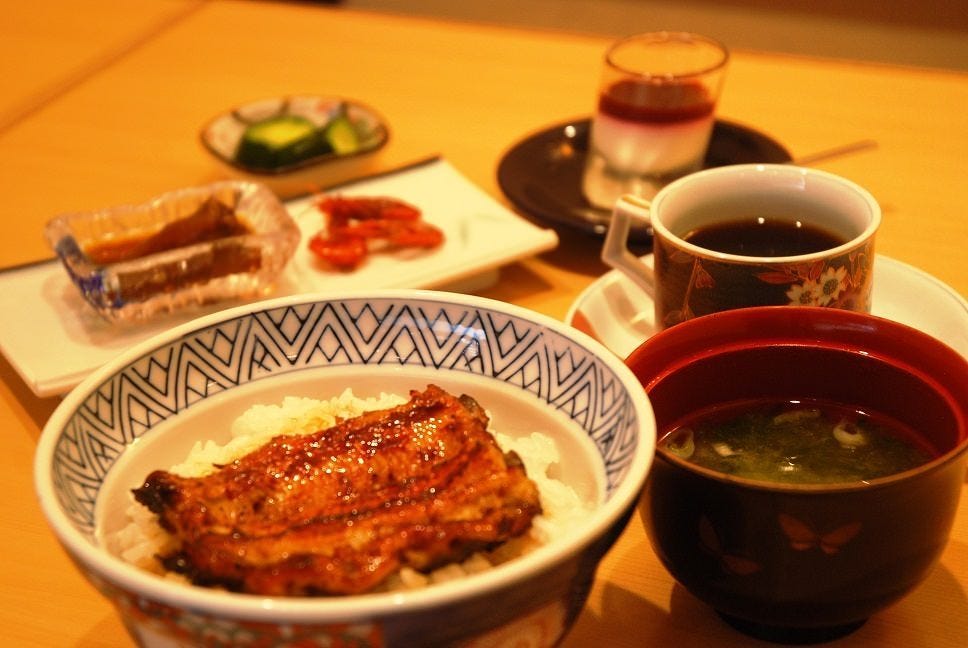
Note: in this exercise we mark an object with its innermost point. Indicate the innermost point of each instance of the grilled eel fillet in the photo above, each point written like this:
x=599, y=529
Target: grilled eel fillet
x=337, y=511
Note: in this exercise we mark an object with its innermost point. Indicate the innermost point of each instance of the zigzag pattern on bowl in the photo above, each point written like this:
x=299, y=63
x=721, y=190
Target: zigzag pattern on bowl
x=442, y=335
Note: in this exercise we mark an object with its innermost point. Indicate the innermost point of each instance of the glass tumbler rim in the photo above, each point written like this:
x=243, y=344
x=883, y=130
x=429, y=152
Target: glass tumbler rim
x=662, y=37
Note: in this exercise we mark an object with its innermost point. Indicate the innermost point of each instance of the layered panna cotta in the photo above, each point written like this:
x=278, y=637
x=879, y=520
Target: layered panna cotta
x=652, y=128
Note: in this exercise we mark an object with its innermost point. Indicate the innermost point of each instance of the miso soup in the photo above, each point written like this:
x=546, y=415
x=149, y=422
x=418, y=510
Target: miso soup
x=806, y=442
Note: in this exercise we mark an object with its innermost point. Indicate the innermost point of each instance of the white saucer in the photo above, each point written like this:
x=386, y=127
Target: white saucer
x=619, y=315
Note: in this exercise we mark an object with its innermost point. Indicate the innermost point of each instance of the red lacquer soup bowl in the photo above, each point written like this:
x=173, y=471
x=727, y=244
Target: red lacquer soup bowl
x=803, y=562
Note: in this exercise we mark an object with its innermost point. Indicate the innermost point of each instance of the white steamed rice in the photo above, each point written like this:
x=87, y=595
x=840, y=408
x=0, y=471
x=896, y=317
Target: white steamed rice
x=142, y=538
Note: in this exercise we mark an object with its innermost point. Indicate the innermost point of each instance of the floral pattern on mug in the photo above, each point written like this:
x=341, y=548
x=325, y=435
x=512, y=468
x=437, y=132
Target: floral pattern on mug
x=820, y=292
x=836, y=283
x=709, y=285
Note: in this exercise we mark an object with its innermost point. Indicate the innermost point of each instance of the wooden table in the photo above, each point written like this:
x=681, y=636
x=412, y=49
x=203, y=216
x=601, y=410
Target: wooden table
x=110, y=115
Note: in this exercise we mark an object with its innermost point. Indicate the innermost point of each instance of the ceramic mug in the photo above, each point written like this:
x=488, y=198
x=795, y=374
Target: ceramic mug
x=750, y=235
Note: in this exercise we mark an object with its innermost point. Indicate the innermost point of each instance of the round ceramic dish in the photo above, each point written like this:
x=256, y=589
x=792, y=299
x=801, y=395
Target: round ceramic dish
x=144, y=411
x=222, y=135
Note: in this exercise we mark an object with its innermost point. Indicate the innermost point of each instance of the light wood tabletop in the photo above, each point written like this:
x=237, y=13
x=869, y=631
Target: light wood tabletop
x=47, y=50
x=111, y=116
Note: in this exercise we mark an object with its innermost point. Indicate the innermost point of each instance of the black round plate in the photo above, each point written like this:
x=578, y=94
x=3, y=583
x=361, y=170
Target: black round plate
x=541, y=174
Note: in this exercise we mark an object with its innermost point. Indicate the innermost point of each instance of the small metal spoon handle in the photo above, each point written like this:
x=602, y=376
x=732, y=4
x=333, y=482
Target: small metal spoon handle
x=837, y=151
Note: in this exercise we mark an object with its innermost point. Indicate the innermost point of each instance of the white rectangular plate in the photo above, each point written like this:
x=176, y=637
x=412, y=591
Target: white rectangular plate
x=54, y=339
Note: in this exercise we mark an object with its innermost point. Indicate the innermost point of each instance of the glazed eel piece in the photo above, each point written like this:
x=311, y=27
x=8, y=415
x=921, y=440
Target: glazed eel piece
x=338, y=511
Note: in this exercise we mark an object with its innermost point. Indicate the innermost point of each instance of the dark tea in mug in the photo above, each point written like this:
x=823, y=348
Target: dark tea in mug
x=764, y=237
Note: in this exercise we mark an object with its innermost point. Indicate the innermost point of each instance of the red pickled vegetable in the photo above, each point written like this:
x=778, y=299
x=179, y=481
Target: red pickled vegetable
x=355, y=227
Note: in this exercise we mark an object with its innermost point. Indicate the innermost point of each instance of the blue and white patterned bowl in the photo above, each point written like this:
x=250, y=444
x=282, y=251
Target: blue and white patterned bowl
x=529, y=371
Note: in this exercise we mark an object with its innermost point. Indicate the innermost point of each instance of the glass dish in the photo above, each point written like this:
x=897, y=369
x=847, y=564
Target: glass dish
x=185, y=248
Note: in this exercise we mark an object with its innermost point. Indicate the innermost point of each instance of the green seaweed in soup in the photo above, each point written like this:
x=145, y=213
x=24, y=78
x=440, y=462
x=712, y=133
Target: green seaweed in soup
x=796, y=442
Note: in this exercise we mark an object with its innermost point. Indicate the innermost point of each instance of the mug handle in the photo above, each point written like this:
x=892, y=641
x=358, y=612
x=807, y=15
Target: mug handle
x=615, y=251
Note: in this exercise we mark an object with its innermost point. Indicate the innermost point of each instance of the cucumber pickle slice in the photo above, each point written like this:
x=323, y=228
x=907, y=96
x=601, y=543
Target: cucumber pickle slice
x=284, y=140
x=341, y=135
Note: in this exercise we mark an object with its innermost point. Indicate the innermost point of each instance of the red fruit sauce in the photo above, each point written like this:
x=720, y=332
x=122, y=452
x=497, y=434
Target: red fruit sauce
x=655, y=102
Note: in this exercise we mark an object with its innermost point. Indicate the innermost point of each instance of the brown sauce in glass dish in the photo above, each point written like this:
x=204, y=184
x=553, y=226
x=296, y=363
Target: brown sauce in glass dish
x=213, y=222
